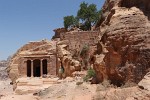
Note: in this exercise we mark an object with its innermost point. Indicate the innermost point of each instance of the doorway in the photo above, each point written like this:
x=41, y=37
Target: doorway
x=36, y=68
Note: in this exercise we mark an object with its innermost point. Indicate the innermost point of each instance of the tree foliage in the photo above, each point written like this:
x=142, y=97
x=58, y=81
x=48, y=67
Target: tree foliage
x=70, y=21
x=87, y=16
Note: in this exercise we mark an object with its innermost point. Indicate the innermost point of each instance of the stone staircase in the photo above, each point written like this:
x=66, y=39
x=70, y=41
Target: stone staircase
x=33, y=85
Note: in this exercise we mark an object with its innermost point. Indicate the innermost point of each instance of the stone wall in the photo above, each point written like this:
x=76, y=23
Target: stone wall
x=78, y=39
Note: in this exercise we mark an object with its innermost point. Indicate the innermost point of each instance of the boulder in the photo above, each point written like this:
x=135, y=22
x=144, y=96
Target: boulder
x=145, y=82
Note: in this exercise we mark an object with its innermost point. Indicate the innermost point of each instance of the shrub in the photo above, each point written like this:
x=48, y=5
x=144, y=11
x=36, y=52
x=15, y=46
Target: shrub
x=90, y=74
x=84, y=51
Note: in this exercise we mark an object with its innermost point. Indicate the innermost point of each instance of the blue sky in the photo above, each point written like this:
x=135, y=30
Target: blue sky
x=22, y=21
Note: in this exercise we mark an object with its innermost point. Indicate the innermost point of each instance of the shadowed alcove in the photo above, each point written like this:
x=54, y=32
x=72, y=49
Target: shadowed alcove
x=29, y=68
x=36, y=68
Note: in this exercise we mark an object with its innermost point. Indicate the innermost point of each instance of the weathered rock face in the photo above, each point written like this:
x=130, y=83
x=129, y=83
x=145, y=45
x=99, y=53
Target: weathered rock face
x=64, y=56
x=125, y=27
x=100, y=68
x=58, y=32
x=70, y=45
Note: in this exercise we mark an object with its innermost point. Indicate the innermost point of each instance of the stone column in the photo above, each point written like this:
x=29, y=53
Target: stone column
x=41, y=67
x=31, y=68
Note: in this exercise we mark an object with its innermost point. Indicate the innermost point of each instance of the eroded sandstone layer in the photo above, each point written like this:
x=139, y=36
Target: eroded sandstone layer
x=125, y=29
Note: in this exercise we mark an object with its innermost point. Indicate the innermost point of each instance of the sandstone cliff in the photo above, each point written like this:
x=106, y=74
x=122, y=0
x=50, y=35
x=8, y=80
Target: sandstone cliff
x=125, y=30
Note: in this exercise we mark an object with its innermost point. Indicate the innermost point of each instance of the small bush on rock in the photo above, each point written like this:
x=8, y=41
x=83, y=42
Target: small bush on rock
x=90, y=74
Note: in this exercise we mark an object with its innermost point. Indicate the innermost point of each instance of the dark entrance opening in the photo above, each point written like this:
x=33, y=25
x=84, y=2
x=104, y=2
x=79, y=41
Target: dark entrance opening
x=44, y=66
x=29, y=68
x=36, y=68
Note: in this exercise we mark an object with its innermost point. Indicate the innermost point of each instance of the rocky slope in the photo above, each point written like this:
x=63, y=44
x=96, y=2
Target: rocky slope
x=140, y=92
x=3, y=73
x=68, y=90
x=125, y=30
x=3, y=63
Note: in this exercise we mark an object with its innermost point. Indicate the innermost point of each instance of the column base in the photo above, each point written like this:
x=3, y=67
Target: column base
x=41, y=77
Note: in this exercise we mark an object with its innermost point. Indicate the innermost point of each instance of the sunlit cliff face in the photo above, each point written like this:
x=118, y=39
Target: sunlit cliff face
x=125, y=29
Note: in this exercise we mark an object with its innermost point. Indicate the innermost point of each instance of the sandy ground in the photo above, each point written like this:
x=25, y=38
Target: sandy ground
x=65, y=90
x=6, y=92
x=69, y=91
x=5, y=87
x=19, y=97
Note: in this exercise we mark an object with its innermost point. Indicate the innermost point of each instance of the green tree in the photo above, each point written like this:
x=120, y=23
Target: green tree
x=70, y=21
x=88, y=14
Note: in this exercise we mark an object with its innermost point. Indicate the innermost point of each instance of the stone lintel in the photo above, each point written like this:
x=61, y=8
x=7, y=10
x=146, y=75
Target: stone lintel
x=38, y=56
